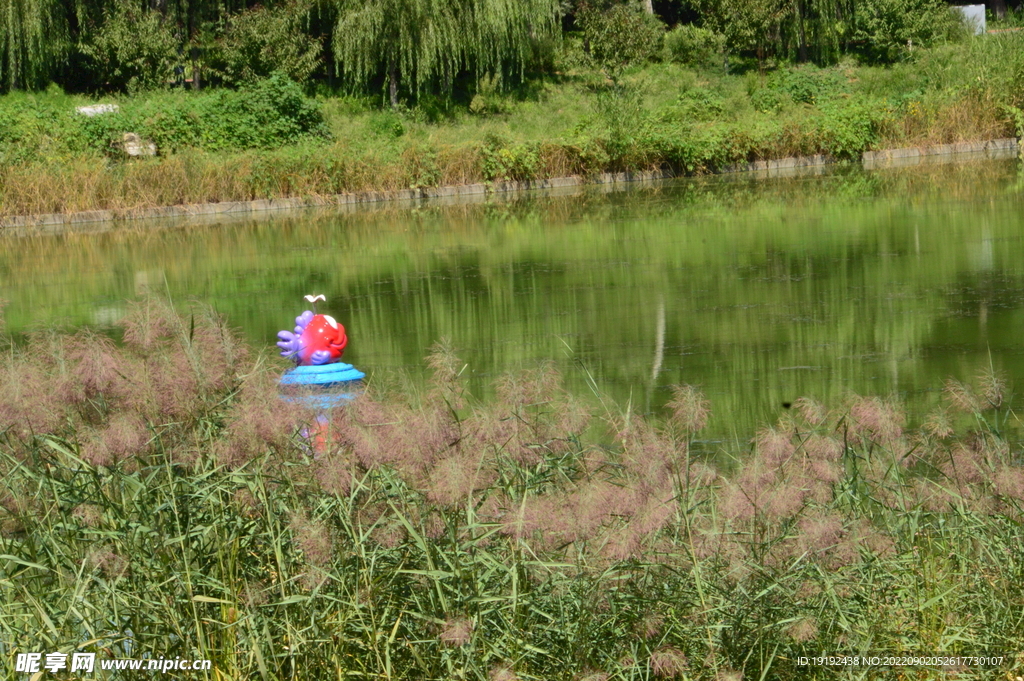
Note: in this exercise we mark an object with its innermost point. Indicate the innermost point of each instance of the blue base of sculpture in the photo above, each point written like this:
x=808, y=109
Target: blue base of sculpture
x=327, y=385
x=324, y=374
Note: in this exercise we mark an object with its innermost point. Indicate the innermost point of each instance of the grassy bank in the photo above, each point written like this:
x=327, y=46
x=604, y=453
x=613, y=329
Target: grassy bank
x=270, y=141
x=159, y=500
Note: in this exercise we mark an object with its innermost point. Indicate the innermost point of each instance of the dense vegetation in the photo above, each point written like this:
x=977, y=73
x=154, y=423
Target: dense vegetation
x=138, y=44
x=320, y=97
x=421, y=45
x=269, y=139
x=161, y=500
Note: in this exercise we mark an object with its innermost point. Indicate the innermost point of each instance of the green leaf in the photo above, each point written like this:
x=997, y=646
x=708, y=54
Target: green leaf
x=290, y=600
x=20, y=561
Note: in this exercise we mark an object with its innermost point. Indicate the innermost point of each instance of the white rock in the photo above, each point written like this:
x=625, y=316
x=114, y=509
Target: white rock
x=97, y=109
x=134, y=146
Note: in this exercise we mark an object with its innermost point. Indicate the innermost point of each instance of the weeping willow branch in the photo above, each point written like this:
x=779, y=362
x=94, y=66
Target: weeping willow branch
x=417, y=43
x=34, y=37
x=37, y=36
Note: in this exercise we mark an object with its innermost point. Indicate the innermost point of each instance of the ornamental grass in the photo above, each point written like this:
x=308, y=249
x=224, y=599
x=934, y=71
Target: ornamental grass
x=160, y=500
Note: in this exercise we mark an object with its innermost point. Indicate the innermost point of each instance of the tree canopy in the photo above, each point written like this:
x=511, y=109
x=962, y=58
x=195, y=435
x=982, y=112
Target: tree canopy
x=416, y=42
x=412, y=46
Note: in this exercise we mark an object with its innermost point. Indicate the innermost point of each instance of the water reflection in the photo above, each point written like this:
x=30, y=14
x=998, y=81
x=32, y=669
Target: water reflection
x=760, y=291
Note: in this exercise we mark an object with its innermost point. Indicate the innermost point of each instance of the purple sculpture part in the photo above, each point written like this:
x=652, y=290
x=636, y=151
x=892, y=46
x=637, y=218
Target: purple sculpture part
x=291, y=341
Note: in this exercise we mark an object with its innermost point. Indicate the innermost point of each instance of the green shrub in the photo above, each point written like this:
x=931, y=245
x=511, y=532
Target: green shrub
x=848, y=129
x=694, y=46
x=1015, y=90
x=700, y=103
x=620, y=108
x=621, y=35
x=97, y=133
x=803, y=85
x=262, y=41
x=387, y=124
x=807, y=85
x=1017, y=83
x=1016, y=115
x=891, y=29
x=489, y=98
x=748, y=25
x=133, y=50
x=501, y=160
x=572, y=54
x=766, y=100
x=993, y=64
x=266, y=114
x=45, y=127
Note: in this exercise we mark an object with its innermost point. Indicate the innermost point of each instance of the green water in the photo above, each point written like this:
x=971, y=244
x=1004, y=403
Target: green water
x=760, y=291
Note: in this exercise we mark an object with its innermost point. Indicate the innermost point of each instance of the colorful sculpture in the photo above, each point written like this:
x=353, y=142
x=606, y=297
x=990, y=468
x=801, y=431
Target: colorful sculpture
x=316, y=345
x=317, y=339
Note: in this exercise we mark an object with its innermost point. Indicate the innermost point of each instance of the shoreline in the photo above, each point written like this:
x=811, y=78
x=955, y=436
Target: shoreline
x=870, y=160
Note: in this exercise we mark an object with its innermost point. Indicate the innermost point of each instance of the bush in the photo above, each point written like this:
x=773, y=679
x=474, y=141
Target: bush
x=694, y=46
x=387, y=124
x=766, y=100
x=489, y=98
x=262, y=41
x=890, y=29
x=621, y=35
x=502, y=160
x=24, y=118
x=803, y=85
x=807, y=85
x=620, y=108
x=1015, y=76
x=266, y=114
x=700, y=103
x=133, y=51
x=1017, y=83
x=748, y=25
x=849, y=129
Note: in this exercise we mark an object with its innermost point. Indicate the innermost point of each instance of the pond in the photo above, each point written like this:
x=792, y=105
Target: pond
x=757, y=290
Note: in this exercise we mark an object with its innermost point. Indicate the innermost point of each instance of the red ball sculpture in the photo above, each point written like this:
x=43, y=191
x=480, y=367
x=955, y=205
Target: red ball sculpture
x=322, y=341
x=317, y=339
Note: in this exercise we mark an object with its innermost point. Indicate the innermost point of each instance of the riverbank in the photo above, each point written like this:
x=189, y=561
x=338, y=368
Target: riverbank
x=660, y=119
x=989, y=149
x=435, y=536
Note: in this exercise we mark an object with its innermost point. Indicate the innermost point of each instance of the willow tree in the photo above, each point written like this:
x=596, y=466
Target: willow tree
x=829, y=27
x=38, y=36
x=34, y=38
x=418, y=42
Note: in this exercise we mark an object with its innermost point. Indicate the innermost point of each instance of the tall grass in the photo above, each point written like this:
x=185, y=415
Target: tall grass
x=159, y=499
